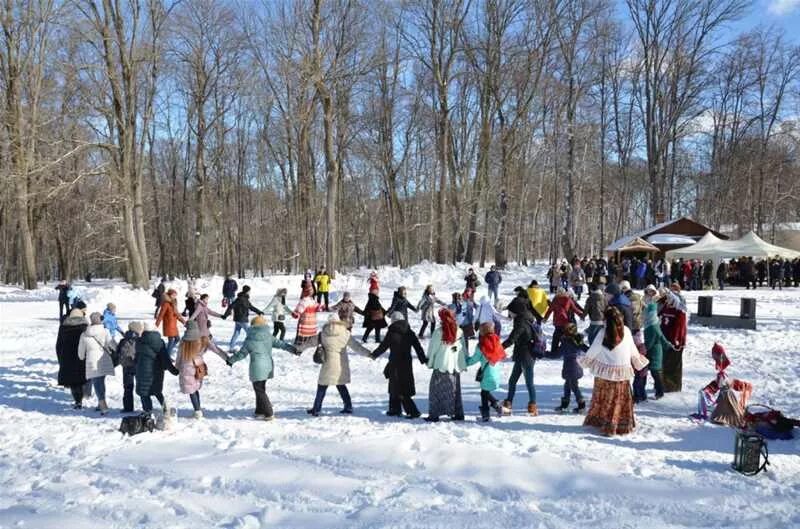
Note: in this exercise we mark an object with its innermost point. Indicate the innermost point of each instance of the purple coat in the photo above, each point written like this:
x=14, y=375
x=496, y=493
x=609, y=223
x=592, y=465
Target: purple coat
x=187, y=370
x=201, y=315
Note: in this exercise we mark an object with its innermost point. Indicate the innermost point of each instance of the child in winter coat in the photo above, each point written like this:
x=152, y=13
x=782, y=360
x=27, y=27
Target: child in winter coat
x=110, y=320
x=345, y=310
x=258, y=345
x=94, y=348
x=278, y=309
x=572, y=346
x=191, y=366
x=374, y=317
x=490, y=352
x=400, y=303
x=427, y=308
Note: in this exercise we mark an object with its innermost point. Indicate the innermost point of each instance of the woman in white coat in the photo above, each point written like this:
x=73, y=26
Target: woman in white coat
x=94, y=348
x=335, y=370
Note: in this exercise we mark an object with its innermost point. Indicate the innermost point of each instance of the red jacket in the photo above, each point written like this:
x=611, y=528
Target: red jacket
x=673, y=325
x=562, y=307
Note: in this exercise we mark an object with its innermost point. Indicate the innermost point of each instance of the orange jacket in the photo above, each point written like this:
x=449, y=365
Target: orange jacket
x=169, y=316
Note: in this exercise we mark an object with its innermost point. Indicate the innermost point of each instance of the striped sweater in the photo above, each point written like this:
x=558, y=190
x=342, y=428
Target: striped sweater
x=306, y=310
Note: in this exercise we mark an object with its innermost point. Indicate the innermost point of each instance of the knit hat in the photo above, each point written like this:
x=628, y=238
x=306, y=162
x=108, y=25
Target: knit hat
x=258, y=321
x=246, y=289
x=95, y=318
x=192, y=332
x=136, y=326
x=612, y=289
x=651, y=288
x=521, y=290
x=624, y=286
x=397, y=316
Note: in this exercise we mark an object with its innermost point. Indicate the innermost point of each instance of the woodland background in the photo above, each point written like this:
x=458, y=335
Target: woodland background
x=184, y=137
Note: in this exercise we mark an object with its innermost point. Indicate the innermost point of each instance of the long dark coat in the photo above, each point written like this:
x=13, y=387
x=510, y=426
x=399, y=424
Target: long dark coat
x=71, y=369
x=152, y=360
x=371, y=311
x=399, y=340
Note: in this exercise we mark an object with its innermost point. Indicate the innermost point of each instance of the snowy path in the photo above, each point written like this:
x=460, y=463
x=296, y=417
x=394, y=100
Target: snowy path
x=61, y=468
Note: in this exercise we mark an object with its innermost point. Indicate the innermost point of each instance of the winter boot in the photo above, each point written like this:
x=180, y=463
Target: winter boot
x=484, y=414
x=102, y=407
x=506, y=407
x=533, y=411
x=198, y=414
x=564, y=405
x=581, y=407
x=497, y=408
x=313, y=412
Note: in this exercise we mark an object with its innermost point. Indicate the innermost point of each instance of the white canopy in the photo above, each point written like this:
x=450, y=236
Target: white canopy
x=711, y=247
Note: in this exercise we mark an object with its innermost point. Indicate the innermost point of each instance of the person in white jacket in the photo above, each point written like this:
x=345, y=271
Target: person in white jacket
x=94, y=348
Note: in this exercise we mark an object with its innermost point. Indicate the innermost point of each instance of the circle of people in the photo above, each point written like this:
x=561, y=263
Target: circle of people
x=629, y=337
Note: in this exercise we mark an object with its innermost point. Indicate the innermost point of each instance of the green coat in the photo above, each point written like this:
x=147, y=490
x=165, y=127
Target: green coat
x=491, y=374
x=655, y=343
x=258, y=345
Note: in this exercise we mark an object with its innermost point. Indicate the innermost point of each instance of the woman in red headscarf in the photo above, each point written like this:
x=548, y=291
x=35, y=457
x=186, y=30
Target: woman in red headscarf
x=612, y=361
x=447, y=357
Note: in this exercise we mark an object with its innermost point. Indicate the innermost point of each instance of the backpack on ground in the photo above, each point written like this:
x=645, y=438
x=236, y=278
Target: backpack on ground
x=126, y=352
x=136, y=424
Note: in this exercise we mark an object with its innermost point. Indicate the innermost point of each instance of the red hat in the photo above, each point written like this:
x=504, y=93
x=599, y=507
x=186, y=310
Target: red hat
x=721, y=359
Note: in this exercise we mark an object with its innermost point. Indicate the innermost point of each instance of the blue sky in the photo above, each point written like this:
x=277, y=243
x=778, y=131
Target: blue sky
x=783, y=14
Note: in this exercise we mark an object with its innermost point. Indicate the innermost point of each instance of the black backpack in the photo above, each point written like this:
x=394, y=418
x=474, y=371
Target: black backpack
x=126, y=352
x=136, y=424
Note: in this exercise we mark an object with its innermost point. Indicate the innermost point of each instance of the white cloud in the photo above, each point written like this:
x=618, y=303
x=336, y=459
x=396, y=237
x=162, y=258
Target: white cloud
x=783, y=7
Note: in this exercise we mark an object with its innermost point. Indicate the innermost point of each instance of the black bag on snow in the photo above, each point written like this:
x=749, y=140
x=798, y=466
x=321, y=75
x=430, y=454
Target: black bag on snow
x=136, y=424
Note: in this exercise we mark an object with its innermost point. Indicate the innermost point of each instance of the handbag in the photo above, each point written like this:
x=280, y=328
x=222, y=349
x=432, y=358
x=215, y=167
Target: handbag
x=201, y=371
x=479, y=375
x=319, y=352
x=110, y=351
x=375, y=314
x=136, y=424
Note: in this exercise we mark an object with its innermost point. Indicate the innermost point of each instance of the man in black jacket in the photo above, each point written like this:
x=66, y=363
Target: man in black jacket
x=241, y=308
x=399, y=340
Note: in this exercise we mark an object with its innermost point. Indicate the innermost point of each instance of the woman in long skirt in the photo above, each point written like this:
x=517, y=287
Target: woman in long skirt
x=612, y=361
x=447, y=357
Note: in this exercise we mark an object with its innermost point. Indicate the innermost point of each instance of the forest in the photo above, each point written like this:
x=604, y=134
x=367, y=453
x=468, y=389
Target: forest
x=187, y=137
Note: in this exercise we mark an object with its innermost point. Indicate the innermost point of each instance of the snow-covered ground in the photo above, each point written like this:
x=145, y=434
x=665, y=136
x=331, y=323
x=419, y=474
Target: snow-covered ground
x=65, y=469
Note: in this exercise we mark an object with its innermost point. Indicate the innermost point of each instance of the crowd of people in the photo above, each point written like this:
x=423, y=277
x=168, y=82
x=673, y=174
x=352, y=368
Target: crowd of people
x=630, y=336
x=690, y=274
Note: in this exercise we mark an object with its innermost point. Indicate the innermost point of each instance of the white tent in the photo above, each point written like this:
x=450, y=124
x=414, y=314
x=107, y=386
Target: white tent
x=710, y=247
x=753, y=245
x=706, y=248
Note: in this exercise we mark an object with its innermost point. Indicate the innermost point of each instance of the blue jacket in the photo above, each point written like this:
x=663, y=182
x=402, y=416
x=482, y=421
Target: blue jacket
x=110, y=323
x=493, y=278
x=571, y=369
x=258, y=345
x=641, y=270
x=491, y=373
x=623, y=304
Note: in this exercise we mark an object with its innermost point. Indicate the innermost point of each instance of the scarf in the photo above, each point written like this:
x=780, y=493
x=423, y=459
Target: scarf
x=449, y=327
x=491, y=348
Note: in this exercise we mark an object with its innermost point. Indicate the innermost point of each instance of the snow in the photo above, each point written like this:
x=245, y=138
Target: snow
x=62, y=468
